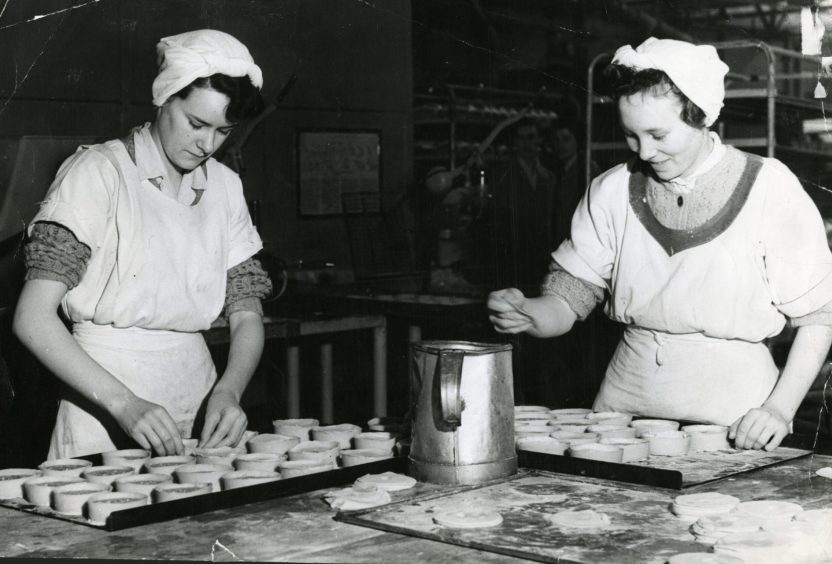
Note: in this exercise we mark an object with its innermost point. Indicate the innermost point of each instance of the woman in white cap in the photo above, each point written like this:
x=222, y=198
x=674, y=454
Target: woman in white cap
x=705, y=252
x=144, y=242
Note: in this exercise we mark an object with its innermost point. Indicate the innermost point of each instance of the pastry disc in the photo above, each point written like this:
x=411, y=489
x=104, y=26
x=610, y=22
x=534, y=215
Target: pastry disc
x=468, y=518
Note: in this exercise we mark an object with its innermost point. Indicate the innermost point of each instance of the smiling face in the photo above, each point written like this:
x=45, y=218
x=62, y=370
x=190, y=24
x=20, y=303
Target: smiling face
x=189, y=130
x=654, y=129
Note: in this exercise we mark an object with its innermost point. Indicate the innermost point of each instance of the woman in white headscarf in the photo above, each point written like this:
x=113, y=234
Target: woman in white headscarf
x=705, y=251
x=143, y=242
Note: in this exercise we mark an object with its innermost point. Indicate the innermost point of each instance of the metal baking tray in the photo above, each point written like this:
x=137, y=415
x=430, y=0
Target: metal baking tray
x=674, y=473
x=195, y=505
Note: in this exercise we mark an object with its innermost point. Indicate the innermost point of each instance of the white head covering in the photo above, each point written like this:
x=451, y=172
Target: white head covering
x=695, y=69
x=197, y=54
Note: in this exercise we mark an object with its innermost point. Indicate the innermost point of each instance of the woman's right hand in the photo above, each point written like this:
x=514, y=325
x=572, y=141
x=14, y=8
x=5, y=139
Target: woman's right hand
x=150, y=425
x=508, y=313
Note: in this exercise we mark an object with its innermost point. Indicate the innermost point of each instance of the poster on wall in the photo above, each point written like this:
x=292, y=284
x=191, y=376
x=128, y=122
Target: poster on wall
x=339, y=171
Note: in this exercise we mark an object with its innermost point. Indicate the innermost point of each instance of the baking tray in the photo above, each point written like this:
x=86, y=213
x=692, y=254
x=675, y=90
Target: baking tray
x=195, y=505
x=642, y=528
x=672, y=472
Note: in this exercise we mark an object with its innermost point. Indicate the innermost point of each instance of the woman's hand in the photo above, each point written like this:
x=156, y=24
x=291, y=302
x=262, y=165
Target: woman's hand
x=508, y=313
x=150, y=425
x=761, y=427
x=225, y=421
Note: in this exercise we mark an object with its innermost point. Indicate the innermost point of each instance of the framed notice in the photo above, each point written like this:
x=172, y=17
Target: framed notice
x=339, y=171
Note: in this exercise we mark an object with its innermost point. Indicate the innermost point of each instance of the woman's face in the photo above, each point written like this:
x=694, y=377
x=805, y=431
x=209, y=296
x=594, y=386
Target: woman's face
x=191, y=129
x=654, y=129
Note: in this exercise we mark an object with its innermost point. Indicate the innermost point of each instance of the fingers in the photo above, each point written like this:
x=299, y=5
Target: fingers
x=226, y=429
x=759, y=428
x=509, y=325
x=152, y=427
x=507, y=300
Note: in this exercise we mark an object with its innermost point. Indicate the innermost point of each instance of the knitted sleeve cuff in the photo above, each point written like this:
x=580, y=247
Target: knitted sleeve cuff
x=580, y=295
x=54, y=253
x=247, y=283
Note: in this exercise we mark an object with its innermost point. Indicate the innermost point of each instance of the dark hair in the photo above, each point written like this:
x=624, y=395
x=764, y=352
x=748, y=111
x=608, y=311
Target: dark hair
x=245, y=101
x=621, y=81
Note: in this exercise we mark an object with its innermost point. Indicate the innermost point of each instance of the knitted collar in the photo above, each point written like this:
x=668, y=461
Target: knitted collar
x=677, y=240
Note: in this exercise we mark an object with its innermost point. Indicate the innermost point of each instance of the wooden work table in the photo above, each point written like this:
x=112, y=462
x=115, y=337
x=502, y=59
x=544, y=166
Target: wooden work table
x=301, y=529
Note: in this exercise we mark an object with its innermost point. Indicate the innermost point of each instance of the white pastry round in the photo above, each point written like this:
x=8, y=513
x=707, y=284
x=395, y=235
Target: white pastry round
x=342, y=433
x=574, y=519
x=606, y=431
x=530, y=408
x=170, y=492
x=272, y=443
x=570, y=412
x=202, y=474
x=243, y=478
x=390, y=481
x=631, y=449
x=769, y=510
x=705, y=438
x=295, y=427
x=223, y=456
x=597, y=451
x=652, y=425
x=133, y=457
x=573, y=427
x=694, y=506
x=376, y=440
x=572, y=439
x=354, y=457
x=69, y=499
x=166, y=464
x=190, y=446
x=468, y=518
x=610, y=417
x=316, y=450
x=708, y=530
x=141, y=483
x=295, y=468
x=667, y=443
x=64, y=467
x=531, y=430
x=544, y=444
x=38, y=490
x=262, y=461
x=100, y=505
x=106, y=474
x=357, y=497
x=11, y=481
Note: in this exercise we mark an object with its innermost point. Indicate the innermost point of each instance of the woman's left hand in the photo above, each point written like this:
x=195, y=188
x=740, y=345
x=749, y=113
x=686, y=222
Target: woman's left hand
x=761, y=427
x=225, y=421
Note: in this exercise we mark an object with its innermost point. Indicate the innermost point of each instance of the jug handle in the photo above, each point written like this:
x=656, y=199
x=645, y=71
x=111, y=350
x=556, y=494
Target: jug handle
x=449, y=365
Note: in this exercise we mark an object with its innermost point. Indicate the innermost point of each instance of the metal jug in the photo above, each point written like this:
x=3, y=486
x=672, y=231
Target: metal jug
x=463, y=417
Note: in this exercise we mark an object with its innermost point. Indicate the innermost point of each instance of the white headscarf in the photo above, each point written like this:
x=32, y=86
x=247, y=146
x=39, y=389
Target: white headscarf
x=695, y=69
x=198, y=54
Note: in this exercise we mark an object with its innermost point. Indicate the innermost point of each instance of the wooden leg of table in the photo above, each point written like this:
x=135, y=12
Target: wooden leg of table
x=380, y=371
x=327, y=415
x=293, y=381
x=414, y=333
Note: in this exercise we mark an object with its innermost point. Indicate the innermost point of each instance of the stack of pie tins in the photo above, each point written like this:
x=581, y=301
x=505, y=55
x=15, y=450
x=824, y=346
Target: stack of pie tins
x=694, y=506
x=708, y=530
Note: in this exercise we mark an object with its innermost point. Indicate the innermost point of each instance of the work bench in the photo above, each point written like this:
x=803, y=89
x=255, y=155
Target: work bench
x=301, y=528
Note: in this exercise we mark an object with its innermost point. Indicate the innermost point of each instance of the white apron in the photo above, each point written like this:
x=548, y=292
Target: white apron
x=690, y=377
x=169, y=368
x=162, y=265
